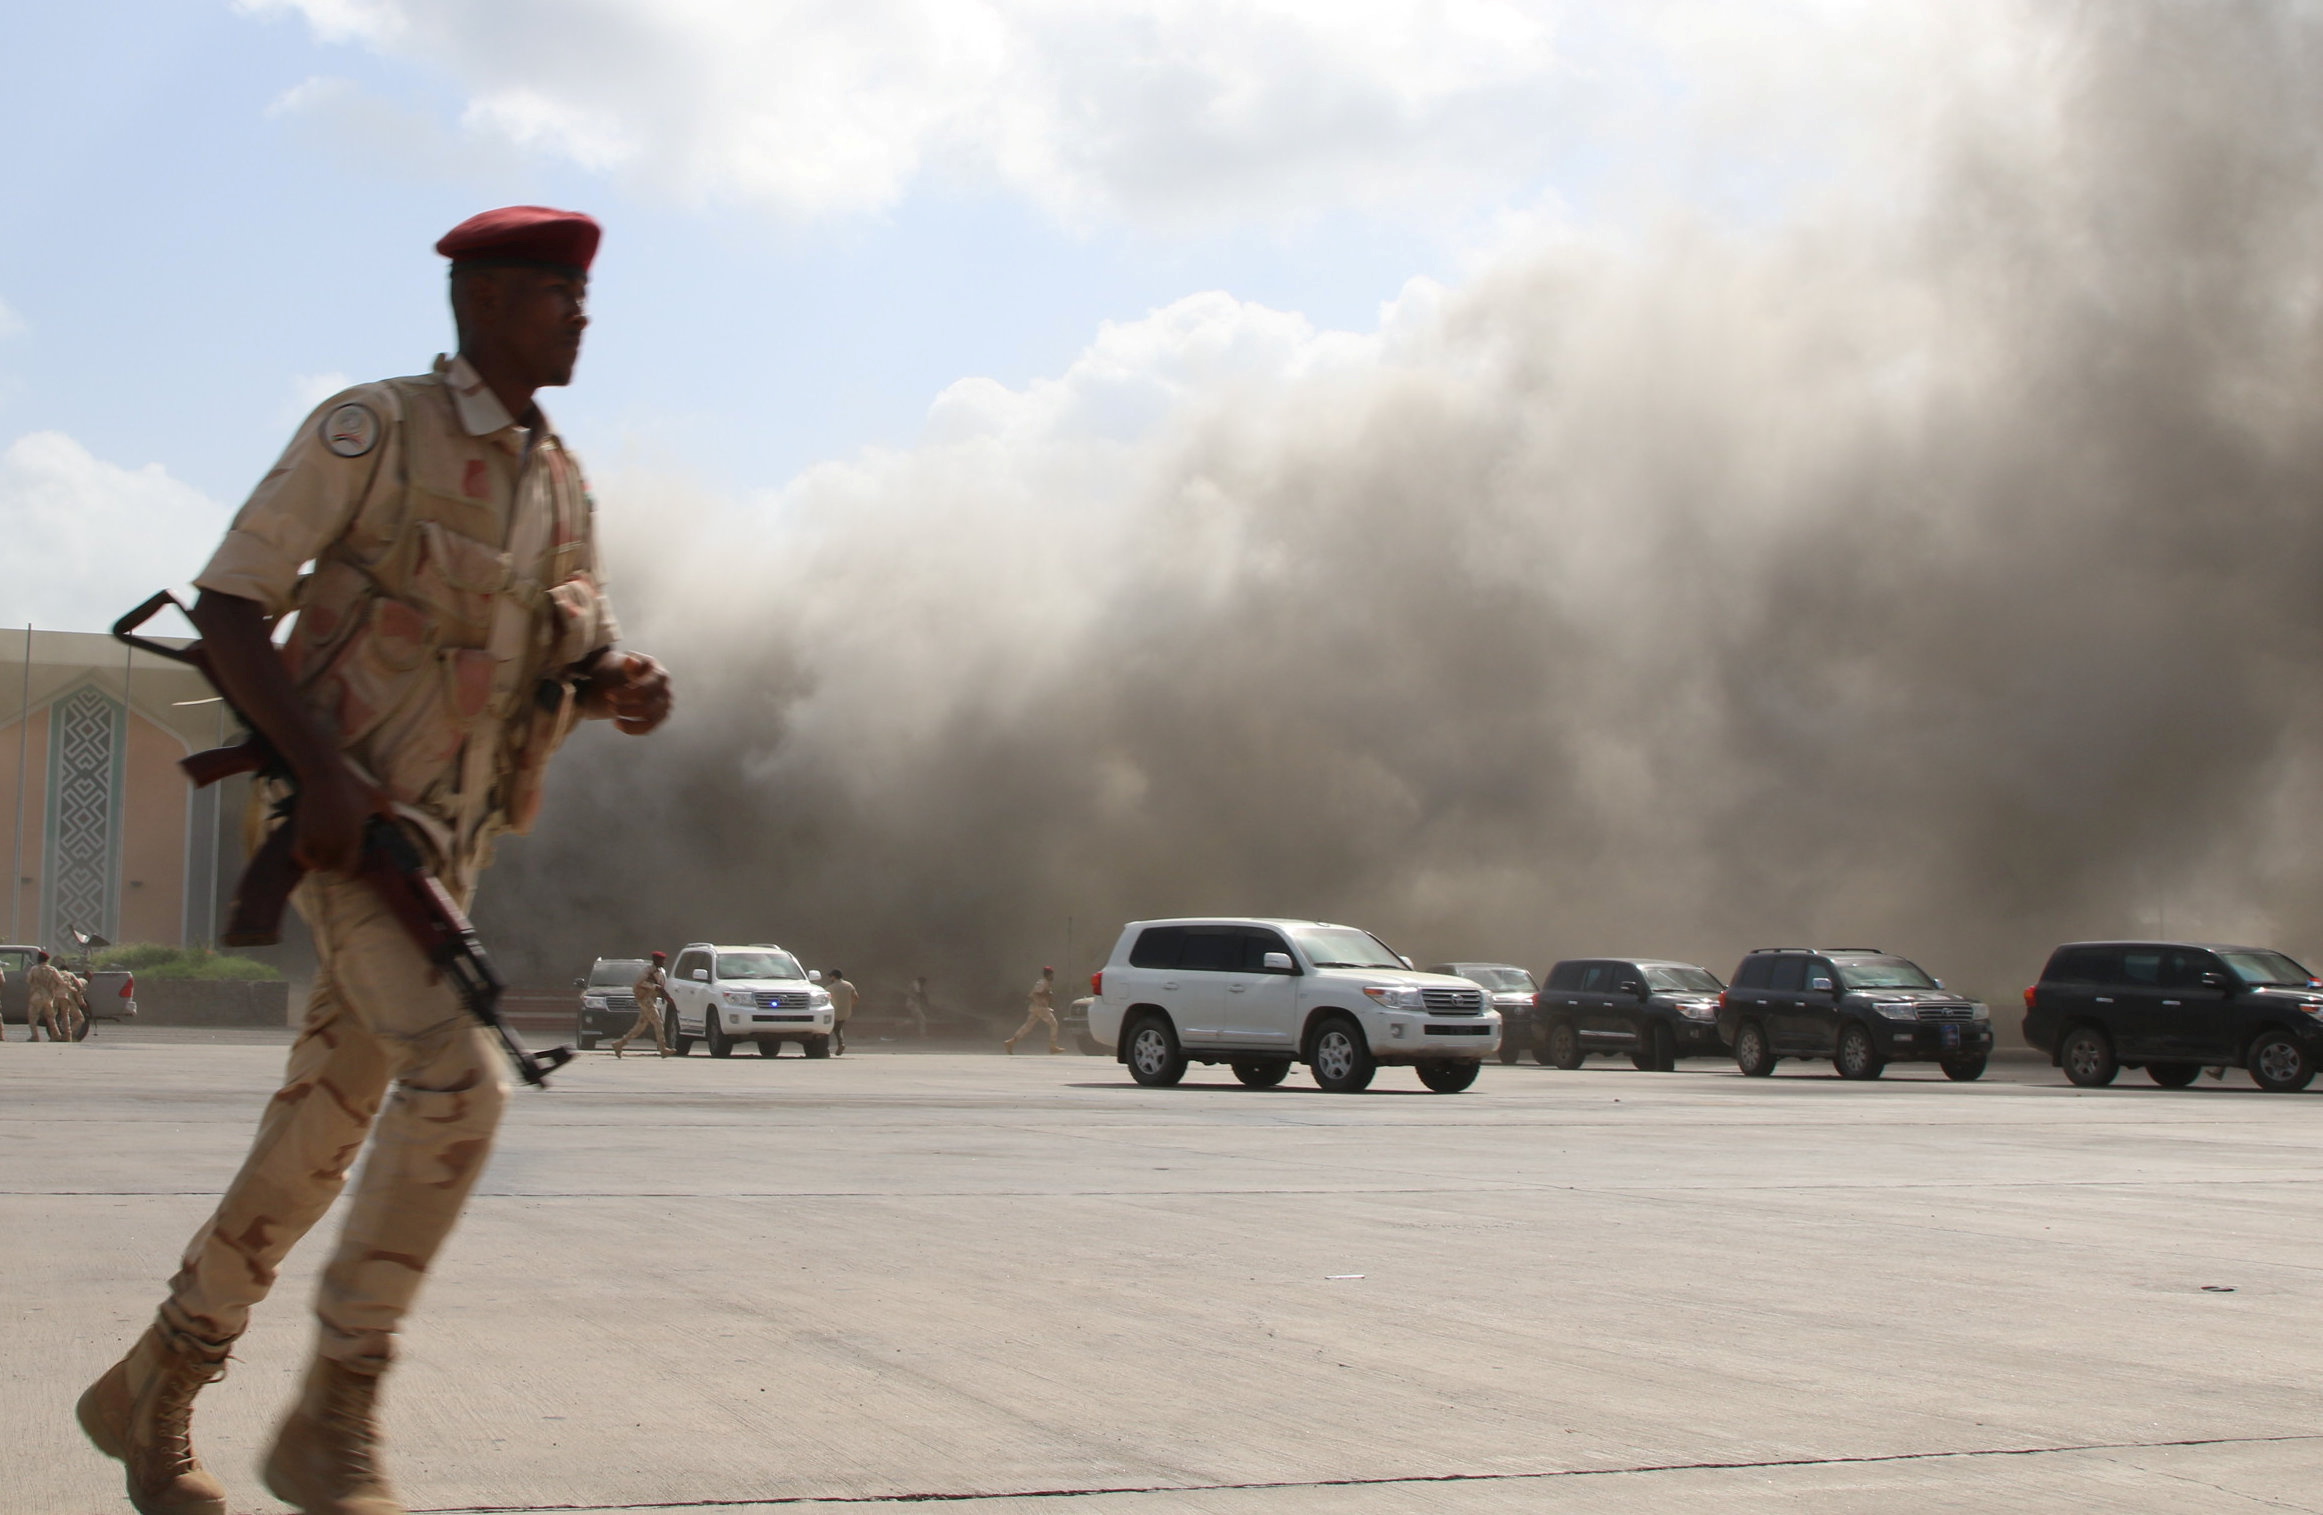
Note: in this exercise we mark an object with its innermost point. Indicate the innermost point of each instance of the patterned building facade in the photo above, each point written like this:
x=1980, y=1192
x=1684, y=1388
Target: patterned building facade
x=105, y=834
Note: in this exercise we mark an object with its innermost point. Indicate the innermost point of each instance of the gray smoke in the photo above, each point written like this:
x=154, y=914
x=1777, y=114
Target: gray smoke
x=1931, y=564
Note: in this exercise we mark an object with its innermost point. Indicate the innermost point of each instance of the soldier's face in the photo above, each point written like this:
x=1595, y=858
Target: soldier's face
x=532, y=319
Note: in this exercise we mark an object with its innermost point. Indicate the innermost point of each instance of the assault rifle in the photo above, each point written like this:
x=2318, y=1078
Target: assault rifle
x=389, y=862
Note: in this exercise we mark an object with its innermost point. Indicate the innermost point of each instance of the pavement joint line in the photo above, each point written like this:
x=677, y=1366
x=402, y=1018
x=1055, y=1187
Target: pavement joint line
x=1260, y=1486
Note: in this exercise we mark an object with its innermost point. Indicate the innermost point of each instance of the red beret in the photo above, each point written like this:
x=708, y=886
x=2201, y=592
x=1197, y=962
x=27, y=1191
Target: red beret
x=524, y=234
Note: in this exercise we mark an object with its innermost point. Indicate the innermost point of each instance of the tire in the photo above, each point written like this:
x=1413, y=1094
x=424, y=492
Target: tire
x=1449, y=1078
x=2086, y=1055
x=2173, y=1075
x=1510, y=1048
x=1965, y=1070
x=768, y=1046
x=2278, y=1064
x=1856, y=1056
x=1561, y=1048
x=1657, y=1050
x=1155, y=1058
x=721, y=1045
x=1341, y=1058
x=1263, y=1072
x=1753, y=1053
x=815, y=1046
x=679, y=1043
x=588, y=1041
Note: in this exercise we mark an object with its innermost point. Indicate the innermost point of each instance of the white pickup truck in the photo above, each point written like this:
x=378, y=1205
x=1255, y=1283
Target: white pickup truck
x=1260, y=994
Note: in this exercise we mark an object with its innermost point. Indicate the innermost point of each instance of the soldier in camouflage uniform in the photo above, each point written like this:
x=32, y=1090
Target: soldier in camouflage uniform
x=653, y=1006
x=50, y=1003
x=1040, y=1010
x=451, y=632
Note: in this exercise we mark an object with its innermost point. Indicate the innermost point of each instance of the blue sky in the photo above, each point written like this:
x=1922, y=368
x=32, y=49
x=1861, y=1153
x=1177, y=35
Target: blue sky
x=211, y=213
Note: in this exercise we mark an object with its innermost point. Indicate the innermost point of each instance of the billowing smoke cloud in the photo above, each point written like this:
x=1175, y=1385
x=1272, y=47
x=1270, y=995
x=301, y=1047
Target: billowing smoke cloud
x=1930, y=564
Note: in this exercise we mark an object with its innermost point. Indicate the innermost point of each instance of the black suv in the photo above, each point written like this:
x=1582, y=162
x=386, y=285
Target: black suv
x=608, y=1001
x=2174, y=1008
x=1858, y=1006
x=1654, y=1010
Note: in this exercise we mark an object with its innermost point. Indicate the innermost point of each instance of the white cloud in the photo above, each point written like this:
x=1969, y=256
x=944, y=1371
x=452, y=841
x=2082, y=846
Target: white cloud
x=1158, y=110
x=306, y=391
x=88, y=539
x=11, y=324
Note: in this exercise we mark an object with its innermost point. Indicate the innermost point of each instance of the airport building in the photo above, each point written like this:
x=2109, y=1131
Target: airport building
x=106, y=835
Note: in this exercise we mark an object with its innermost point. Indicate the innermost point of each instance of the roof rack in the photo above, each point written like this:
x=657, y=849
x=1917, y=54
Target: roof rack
x=1859, y=951
x=1782, y=949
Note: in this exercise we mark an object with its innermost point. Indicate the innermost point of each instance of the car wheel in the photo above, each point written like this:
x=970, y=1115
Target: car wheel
x=1856, y=1057
x=1155, y=1058
x=768, y=1046
x=1342, y=1058
x=588, y=1041
x=679, y=1043
x=1562, y=1048
x=721, y=1045
x=2087, y=1057
x=1262, y=1072
x=1449, y=1078
x=815, y=1046
x=2279, y=1064
x=1964, y=1070
x=1660, y=1047
x=1510, y=1048
x=2173, y=1075
x=1753, y=1054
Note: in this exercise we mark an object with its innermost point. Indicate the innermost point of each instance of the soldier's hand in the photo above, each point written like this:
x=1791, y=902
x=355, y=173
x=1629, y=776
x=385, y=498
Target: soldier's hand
x=632, y=689
x=332, y=808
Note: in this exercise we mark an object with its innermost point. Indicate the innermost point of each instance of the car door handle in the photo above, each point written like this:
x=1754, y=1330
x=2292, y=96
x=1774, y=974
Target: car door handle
x=2172, y=1002
x=2105, y=999
x=1171, y=984
x=1237, y=988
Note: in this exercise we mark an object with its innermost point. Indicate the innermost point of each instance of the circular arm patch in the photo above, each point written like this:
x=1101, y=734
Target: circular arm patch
x=351, y=430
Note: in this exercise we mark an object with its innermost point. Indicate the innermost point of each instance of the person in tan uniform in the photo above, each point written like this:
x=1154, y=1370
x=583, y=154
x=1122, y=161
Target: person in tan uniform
x=49, y=1006
x=843, y=998
x=1040, y=1010
x=652, y=995
x=76, y=1006
x=453, y=629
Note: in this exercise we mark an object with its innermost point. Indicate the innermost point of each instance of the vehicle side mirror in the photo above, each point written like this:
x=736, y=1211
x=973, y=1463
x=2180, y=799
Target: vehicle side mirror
x=580, y=983
x=2215, y=981
x=1939, y=983
x=700, y=973
x=1278, y=962
x=1632, y=986
x=814, y=975
x=1820, y=985
x=1408, y=963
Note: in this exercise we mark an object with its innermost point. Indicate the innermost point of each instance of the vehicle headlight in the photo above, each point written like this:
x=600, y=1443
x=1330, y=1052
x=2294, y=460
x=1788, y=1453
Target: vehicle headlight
x=1980, y=1012
x=1394, y=996
x=1705, y=1011
x=1897, y=1009
x=592, y=1002
x=740, y=997
x=818, y=997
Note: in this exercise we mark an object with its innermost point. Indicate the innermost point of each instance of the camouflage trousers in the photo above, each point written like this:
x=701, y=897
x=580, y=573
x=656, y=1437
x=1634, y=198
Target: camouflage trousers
x=45, y=1011
x=387, y=1053
x=1037, y=1015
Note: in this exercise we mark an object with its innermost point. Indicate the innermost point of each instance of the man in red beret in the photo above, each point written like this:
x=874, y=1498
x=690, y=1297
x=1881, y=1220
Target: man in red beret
x=452, y=630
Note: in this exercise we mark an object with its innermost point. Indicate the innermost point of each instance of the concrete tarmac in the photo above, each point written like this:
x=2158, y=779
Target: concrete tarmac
x=1026, y=1285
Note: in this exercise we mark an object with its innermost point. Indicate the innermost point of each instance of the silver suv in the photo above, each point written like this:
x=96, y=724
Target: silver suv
x=1259, y=994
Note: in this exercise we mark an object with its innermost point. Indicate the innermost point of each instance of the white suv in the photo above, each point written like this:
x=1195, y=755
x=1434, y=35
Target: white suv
x=759, y=993
x=1261, y=994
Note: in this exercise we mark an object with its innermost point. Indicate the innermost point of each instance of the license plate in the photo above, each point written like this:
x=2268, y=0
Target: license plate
x=1951, y=1036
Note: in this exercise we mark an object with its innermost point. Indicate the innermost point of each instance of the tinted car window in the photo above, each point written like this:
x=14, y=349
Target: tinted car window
x=1157, y=947
x=616, y=973
x=1257, y=942
x=1566, y=976
x=2083, y=965
x=2184, y=966
x=1212, y=949
x=2267, y=968
x=1672, y=979
x=1597, y=978
x=1752, y=973
x=2142, y=965
x=1789, y=973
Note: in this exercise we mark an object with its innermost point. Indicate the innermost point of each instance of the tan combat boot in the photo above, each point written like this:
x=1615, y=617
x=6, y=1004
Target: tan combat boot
x=141, y=1412
x=326, y=1459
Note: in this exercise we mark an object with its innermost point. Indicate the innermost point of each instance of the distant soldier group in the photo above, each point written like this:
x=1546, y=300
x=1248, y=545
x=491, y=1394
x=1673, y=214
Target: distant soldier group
x=56, y=1001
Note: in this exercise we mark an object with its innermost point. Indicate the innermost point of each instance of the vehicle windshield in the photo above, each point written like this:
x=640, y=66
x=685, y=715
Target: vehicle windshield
x=1882, y=973
x=1345, y=947
x=1502, y=980
x=1664, y=978
x=617, y=973
x=759, y=965
x=2266, y=968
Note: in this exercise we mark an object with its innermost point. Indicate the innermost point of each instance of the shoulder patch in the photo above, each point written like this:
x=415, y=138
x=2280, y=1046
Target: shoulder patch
x=351, y=430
